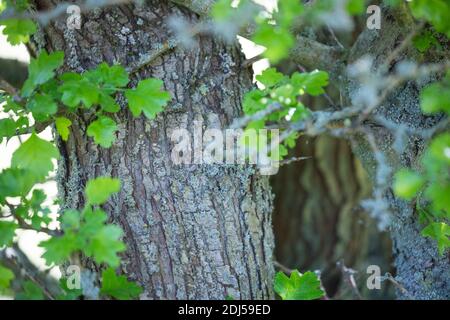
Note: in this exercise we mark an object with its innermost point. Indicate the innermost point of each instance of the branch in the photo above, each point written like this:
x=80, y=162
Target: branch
x=242, y=122
x=315, y=55
x=24, y=225
x=349, y=277
x=200, y=7
x=16, y=260
x=307, y=52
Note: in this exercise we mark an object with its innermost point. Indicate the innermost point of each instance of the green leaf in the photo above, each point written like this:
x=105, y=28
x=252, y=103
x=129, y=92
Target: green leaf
x=407, y=183
x=312, y=83
x=298, y=286
x=356, y=7
x=424, y=41
x=35, y=155
x=108, y=103
x=62, y=126
x=93, y=220
x=253, y=102
x=434, y=11
x=15, y=183
x=41, y=70
x=222, y=10
x=18, y=30
x=118, y=286
x=270, y=77
x=110, y=76
x=7, y=232
x=105, y=244
x=31, y=292
x=70, y=220
x=58, y=249
x=288, y=10
x=435, y=98
x=100, y=241
x=277, y=41
x=148, y=97
x=103, y=131
x=77, y=90
x=100, y=189
x=68, y=294
x=439, y=193
x=440, y=232
x=7, y=128
x=6, y=276
x=439, y=148
x=42, y=106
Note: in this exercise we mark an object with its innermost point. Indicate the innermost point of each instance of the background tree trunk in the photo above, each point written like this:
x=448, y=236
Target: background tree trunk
x=422, y=272
x=192, y=231
x=13, y=71
x=318, y=220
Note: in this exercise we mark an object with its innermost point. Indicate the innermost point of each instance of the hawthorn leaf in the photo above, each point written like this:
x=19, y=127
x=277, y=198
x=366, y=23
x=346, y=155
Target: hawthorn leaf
x=7, y=128
x=35, y=155
x=435, y=98
x=298, y=286
x=62, y=126
x=111, y=76
x=441, y=233
x=103, y=131
x=30, y=292
x=15, y=182
x=270, y=77
x=100, y=189
x=6, y=276
x=70, y=220
x=41, y=70
x=118, y=286
x=148, y=97
x=7, y=232
x=105, y=244
x=18, y=30
x=407, y=183
x=42, y=106
x=58, y=249
x=312, y=83
x=77, y=90
x=277, y=41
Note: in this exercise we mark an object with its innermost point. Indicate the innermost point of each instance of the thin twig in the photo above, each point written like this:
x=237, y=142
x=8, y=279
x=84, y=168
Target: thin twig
x=293, y=159
x=391, y=279
x=242, y=122
x=24, y=225
x=282, y=267
x=349, y=277
x=249, y=62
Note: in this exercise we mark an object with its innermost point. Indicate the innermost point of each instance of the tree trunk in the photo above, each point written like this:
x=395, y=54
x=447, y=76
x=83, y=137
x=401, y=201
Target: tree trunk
x=192, y=231
x=422, y=272
x=318, y=219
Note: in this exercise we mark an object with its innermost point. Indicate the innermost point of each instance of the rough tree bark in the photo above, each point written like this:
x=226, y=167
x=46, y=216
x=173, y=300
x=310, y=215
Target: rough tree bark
x=420, y=269
x=204, y=232
x=192, y=231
